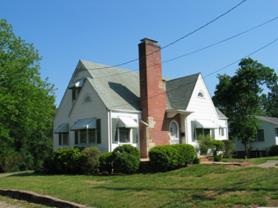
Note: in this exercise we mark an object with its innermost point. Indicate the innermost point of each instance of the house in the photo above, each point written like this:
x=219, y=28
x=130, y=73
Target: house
x=267, y=135
x=106, y=106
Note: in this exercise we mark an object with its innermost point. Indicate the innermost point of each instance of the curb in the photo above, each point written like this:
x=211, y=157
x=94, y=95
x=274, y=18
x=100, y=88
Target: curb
x=39, y=199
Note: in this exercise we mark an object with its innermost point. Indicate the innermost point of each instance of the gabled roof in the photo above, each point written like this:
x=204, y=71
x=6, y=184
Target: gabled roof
x=118, y=88
x=220, y=114
x=272, y=120
x=179, y=91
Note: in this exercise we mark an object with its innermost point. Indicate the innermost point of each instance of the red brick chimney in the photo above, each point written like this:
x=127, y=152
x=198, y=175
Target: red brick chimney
x=152, y=96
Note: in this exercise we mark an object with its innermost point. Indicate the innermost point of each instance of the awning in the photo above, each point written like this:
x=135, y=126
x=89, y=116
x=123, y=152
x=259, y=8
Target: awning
x=206, y=124
x=62, y=128
x=85, y=124
x=127, y=122
x=78, y=83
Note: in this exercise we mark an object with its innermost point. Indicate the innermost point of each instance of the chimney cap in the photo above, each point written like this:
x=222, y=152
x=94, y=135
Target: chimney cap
x=148, y=40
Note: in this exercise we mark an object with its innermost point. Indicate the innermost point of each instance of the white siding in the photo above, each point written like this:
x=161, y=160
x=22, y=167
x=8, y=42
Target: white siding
x=88, y=105
x=202, y=108
x=269, y=138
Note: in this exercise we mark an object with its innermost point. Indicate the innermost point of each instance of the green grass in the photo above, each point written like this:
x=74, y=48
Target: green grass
x=19, y=203
x=196, y=186
x=258, y=160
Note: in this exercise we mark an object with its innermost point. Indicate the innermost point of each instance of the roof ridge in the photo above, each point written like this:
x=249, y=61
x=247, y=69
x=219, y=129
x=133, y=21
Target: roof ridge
x=191, y=75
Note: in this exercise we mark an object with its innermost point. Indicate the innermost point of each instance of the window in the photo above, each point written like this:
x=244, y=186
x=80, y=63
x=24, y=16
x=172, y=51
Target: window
x=92, y=136
x=221, y=131
x=85, y=136
x=174, y=132
x=260, y=135
x=135, y=135
x=63, y=139
x=276, y=132
x=201, y=132
x=124, y=135
x=200, y=94
x=75, y=92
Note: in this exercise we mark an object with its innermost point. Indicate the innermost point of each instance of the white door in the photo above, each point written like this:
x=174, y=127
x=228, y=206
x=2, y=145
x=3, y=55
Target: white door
x=174, y=132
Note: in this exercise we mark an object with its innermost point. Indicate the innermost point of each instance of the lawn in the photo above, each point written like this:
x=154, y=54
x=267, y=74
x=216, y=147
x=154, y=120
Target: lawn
x=196, y=186
x=258, y=160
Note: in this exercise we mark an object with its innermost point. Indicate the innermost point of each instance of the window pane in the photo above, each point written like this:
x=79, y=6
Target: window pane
x=124, y=135
x=76, y=137
x=199, y=132
x=276, y=132
x=65, y=139
x=92, y=136
x=83, y=136
x=60, y=139
x=135, y=135
x=207, y=132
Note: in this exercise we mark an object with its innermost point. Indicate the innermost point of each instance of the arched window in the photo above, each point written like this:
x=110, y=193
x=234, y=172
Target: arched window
x=201, y=94
x=174, y=132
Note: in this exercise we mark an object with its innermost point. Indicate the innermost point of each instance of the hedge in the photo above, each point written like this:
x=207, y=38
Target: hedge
x=169, y=157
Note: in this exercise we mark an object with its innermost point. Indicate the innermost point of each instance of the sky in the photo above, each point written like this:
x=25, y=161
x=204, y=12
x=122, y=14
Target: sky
x=108, y=32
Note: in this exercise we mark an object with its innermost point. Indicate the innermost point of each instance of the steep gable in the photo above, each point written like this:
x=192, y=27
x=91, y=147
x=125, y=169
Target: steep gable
x=179, y=91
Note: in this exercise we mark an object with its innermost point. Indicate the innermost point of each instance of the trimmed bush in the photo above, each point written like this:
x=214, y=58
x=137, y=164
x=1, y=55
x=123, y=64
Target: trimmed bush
x=105, y=163
x=125, y=159
x=64, y=160
x=169, y=157
x=89, y=160
x=128, y=149
x=273, y=151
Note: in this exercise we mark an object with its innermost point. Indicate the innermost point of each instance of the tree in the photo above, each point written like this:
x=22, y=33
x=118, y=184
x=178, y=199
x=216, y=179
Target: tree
x=270, y=102
x=239, y=97
x=26, y=103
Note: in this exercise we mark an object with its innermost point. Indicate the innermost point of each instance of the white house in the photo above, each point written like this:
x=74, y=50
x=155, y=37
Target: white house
x=106, y=106
x=266, y=137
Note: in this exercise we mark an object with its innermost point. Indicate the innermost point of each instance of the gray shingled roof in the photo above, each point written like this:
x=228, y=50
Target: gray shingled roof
x=179, y=91
x=119, y=88
x=272, y=120
x=220, y=114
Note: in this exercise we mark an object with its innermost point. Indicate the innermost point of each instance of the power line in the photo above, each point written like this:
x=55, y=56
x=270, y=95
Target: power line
x=211, y=73
x=202, y=48
x=182, y=37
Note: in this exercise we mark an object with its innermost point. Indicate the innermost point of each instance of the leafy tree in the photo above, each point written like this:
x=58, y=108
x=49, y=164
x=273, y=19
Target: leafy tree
x=239, y=97
x=270, y=102
x=26, y=102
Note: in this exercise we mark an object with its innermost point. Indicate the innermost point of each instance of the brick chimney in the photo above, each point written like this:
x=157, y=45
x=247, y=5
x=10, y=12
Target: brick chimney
x=152, y=97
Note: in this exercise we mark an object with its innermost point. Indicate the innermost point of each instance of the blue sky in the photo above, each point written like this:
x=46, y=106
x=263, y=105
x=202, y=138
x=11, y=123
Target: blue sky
x=108, y=32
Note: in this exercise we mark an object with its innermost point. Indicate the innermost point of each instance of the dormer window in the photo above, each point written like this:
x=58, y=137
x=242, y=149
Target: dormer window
x=201, y=94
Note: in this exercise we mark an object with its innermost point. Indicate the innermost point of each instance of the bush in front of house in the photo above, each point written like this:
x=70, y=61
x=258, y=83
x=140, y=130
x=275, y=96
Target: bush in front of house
x=125, y=159
x=89, y=160
x=229, y=148
x=105, y=163
x=63, y=160
x=169, y=157
x=273, y=151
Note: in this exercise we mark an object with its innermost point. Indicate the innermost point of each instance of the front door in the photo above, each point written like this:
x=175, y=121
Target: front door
x=174, y=132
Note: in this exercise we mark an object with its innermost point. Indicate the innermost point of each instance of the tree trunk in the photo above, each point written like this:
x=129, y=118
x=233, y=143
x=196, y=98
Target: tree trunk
x=246, y=149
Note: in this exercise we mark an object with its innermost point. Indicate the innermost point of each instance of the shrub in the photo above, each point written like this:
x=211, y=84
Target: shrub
x=217, y=149
x=196, y=160
x=64, y=160
x=128, y=149
x=273, y=151
x=124, y=162
x=125, y=159
x=205, y=143
x=168, y=157
x=89, y=160
x=105, y=163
